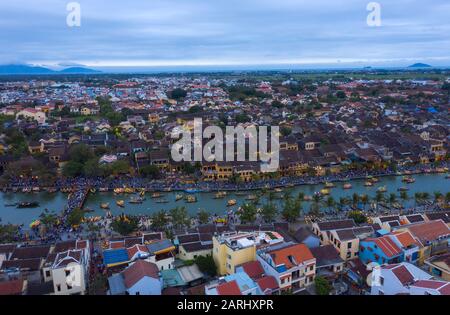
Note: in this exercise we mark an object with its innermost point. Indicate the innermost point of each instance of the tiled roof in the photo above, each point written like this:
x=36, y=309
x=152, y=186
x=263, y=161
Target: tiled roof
x=405, y=238
x=291, y=255
x=229, y=288
x=429, y=231
x=30, y=252
x=403, y=275
x=11, y=287
x=335, y=225
x=139, y=270
x=32, y=264
x=253, y=269
x=326, y=255
x=267, y=282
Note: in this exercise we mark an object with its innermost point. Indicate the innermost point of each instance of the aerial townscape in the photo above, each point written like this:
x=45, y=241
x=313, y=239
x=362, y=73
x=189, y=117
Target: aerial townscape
x=93, y=203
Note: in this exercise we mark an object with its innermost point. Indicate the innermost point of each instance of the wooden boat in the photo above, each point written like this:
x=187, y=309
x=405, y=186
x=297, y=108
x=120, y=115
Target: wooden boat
x=162, y=201
x=118, y=191
x=191, y=199
x=120, y=203
x=23, y=205
x=104, y=206
x=51, y=190
x=240, y=193
x=129, y=190
x=178, y=197
x=403, y=189
x=347, y=186
x=368, y=184
x=220, y=195
x=278, y=190
x=26, y=190
x=156, y=195
x=307, y=198
x=251, y=197
x=36, y=189
x=136, y=200
x=382, y=189
x=375, y=180
x=93, y=190
x=408, y=179
x=329, y=185
x=103, y=189
x=325, y=192
x=231, y=202
x=142, y=193
x=192, y=191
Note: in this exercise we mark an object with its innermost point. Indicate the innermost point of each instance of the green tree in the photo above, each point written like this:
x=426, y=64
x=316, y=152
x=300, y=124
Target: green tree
x=323, y=287
x=248, y=213
x=125, y=225
x=180, y=217
x=357, y=216
x=75, y=217
x=203, y=217
x=292, y=209
x=159, y=220
x=269, y=212
x=206, y=265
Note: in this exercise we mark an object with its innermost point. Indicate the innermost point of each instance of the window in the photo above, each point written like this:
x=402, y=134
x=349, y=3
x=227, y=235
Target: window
x=69, y=287
x=381, y=280
x=67, y=273
x=58, y=288
x=47, y=273
x=349, y=245
x=349, y=254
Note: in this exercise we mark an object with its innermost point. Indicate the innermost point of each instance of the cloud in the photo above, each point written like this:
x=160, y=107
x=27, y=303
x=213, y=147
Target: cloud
x=190, y=32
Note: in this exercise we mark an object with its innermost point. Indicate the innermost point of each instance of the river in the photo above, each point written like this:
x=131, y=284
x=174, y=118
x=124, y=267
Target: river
x=57, y=201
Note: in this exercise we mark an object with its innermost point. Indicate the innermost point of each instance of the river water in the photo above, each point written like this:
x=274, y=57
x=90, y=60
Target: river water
x=57, y=201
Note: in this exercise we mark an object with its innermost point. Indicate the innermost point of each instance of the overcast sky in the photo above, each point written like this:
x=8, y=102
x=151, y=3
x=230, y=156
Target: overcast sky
x=224, y=32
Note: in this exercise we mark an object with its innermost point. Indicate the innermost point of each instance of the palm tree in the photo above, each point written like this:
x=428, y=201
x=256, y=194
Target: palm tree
x=330, y=202
x=392, y=198
x=447, y=197
x=355, y=199
x=417, y=197
x=379, y=197
x=437, y=196
x=404, y=196
x=342, y=203
x=365, y=200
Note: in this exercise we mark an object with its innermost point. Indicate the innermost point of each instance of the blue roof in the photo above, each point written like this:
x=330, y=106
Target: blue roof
x=115, y=256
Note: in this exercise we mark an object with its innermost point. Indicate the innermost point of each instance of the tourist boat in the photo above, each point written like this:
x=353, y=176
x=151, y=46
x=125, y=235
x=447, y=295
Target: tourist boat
x=118, y=191
x=162, y=201
x=36, y=189
x=93, y=190
x=156, y=195
x=136, y=200
x=51, y=190
x=220, y=195
x=23, y=205
x=329, y=185
x=129, y=190
x=251, y=197
x=104, y=205
x=408, y=179
x=191, y=199
x=120, y=203
x=375, y=180
x=403, y=189
x=278, y=190
x=368, y=184
x=307, y=198
x=347, y=186
x=103, y=189
x=26, y=190
x=325, y=192
x=142, y=193
x=240, y=193
x=178, y=197
x=382, y=189
x=231, y=202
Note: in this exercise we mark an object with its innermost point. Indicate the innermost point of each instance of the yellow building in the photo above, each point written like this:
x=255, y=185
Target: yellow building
x=233, y=249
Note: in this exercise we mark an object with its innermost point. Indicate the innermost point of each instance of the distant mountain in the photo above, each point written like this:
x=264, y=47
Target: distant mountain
x=79, y=70
x=24, y=69
x=419, y=65
x=30, y=70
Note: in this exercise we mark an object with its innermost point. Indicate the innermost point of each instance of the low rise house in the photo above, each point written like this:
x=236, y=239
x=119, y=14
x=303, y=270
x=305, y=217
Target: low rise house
x=329, y=263
x=439, y=266
x=292, y=265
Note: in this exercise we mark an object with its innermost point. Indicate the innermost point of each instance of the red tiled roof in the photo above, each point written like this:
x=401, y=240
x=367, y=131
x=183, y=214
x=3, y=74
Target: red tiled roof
x=253, y=269
x=429, y=231
x=388, y=246
x=267, y=282
x=12, y=287
x=299, y=252
x=229, y=288
x=139, y=270
x=116, y=245
x=405, y=238
x=136, y=248
x=403, y=275
x=429, y=284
